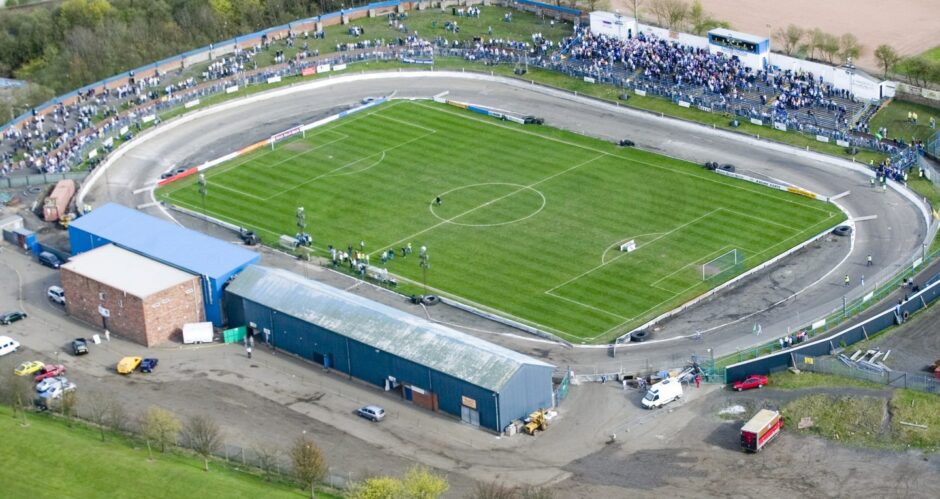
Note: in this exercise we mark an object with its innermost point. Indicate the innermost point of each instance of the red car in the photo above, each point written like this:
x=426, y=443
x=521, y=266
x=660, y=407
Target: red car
x=752, y=381
x=50, y=371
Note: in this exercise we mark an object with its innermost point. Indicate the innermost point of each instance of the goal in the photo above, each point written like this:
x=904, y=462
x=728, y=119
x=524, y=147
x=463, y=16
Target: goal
x=722, y=265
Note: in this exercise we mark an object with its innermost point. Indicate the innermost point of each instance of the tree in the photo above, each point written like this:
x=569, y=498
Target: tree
x=98, y=407
x=421, y=483
x=309, y=463
x=701, y=22
x=67, y=404
x=160, y=426
x=789, y=38
x=596, y=4
x=814, y=41
x=849, y=48
x=267, y=458
x=493, y=490
x=18, y=392
x=919, y=70
x=117, y=417
x=380, y=487
x=669, y=13
x=887, y=57
x=829, y=47
x=204, y=435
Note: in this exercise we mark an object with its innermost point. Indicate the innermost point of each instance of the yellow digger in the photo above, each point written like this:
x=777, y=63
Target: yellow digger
x=535, y=422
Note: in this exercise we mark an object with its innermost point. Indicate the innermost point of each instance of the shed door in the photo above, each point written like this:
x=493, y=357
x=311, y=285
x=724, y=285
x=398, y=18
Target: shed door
x=469, y=416
x=427, y=399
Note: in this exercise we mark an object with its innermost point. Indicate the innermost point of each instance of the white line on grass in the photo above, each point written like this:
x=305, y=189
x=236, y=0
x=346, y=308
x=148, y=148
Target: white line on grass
x=618, y=243
x=704, y=259
x=576, y=302
x=329, y=128
x=396, y=120
x=331, y=172
x=634, y=160
x=664, y=234
x=381, y=159
x=471, y=210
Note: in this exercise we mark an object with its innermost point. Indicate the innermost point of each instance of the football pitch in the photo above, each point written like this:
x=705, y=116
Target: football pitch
x=531, y=219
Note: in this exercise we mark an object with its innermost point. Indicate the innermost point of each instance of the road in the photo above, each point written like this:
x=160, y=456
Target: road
x=802, y=287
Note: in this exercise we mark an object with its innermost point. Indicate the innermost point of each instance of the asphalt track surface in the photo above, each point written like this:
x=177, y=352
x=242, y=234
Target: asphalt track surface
x=804, y=286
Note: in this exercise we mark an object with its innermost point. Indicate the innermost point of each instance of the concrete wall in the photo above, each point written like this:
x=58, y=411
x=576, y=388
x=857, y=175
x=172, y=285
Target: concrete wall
x=149, y=321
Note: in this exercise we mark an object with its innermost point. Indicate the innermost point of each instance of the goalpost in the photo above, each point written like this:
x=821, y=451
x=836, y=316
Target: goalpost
x=725, y=262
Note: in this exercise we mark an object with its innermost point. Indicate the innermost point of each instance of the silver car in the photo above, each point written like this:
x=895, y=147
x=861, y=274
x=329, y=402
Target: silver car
x=50, y=383
x=57, y=391
x=373, y=412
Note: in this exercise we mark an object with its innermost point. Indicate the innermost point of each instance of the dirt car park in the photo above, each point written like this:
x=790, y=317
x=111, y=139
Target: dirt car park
x=602, y=444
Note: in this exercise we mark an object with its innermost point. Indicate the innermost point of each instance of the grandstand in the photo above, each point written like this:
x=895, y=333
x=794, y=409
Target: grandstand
x=77, y=130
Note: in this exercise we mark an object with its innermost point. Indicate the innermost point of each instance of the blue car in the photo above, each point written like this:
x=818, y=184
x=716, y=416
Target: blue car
x=148, y=365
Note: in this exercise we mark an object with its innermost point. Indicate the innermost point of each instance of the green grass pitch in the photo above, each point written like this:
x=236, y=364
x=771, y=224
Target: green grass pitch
x=531, y=218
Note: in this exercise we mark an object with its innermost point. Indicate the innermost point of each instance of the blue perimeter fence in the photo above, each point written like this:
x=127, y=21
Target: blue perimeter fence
x=895, y=315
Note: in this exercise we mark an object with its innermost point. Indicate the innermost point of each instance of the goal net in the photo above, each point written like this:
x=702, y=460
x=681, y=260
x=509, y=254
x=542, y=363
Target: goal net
x=723, y=265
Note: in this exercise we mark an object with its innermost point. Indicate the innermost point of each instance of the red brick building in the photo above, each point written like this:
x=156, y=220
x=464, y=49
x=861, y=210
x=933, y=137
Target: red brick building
x=131, y=295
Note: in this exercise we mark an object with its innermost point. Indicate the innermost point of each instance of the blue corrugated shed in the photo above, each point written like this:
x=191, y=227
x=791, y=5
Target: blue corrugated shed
x=215, y=260
x=478, y=381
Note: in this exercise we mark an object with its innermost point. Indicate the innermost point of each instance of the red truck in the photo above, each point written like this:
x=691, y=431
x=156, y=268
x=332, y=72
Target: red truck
x=57, y=204
x=762, y=428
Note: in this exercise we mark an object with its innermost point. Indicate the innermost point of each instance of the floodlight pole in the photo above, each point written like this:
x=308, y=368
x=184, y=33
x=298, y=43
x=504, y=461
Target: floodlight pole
x=302, y=225
x=204, y=191
x=424, y=266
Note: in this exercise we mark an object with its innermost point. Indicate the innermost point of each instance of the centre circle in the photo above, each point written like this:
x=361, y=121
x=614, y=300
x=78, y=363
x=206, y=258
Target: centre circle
x=489, y=204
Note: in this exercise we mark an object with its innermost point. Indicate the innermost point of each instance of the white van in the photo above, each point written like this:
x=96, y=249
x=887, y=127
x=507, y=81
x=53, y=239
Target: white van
x=8, y=345
x=662, y=393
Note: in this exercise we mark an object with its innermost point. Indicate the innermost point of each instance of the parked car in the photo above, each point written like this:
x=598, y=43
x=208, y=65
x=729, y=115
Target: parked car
x=752, y=381
x=148, y=365
x=49, y=260
x=56, y=294
x=8, y=345
x=372, y=412
x=48, y=383
x=11, y=317
x=79, y=346
x=50, y=371
x=58, y=390
x=28, y=367
x=128, y=365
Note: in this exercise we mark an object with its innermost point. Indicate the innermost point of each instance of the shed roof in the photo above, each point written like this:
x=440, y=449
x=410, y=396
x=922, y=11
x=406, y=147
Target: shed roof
x=738, y=34
x=125, y=270
x=164, y=241
x=441, y=348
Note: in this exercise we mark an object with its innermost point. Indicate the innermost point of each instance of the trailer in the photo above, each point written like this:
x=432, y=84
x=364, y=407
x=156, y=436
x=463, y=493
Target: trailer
x=197, y=332
x=761, y=429
x=56, y=204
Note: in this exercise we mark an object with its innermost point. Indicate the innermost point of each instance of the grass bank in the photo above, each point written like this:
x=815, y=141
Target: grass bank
x=788, y=380
x=47, y=458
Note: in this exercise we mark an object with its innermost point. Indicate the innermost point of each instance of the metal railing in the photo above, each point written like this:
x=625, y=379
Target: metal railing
x=897, y=379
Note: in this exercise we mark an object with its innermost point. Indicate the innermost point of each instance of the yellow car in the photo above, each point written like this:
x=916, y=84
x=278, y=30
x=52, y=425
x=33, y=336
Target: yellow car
x=127, y=365
x=30, y=367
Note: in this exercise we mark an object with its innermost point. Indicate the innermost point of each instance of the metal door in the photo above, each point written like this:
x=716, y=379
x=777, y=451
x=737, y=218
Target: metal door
x=470, y=416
